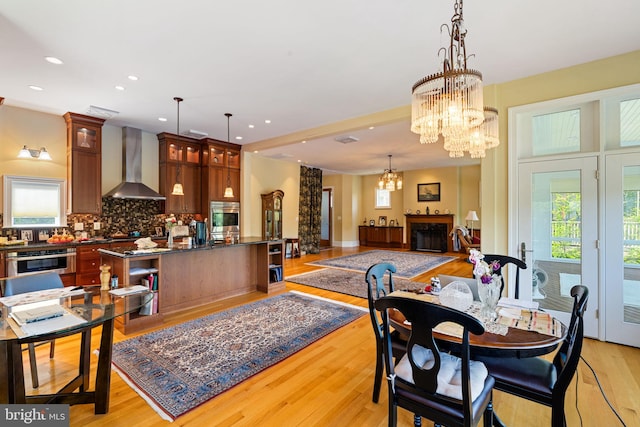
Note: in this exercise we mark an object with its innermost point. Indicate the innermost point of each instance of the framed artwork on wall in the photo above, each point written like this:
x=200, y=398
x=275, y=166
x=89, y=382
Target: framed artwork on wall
x=392, y=223
x=429, y=192
x=382, y=221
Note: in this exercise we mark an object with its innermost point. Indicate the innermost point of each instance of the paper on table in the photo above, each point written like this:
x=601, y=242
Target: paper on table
x=128, y=290
x=37, y=296
x=68, y=320
x=510, y=312
x=512, y=302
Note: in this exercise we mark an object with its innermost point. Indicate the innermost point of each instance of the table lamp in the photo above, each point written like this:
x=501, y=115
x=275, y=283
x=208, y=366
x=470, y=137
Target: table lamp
x=472, y=216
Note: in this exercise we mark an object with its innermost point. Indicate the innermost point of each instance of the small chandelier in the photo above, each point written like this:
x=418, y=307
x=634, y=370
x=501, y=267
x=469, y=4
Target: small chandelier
x=390, y=180
x=449, y=104
x=228, y=191
x=177, y=187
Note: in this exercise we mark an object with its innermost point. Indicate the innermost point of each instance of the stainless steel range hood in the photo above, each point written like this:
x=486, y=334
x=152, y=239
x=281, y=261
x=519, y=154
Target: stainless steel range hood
x=132, y=186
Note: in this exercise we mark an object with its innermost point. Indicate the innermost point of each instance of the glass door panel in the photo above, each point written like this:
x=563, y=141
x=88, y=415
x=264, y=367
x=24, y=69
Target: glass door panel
x=622, y=276
x=558, y=229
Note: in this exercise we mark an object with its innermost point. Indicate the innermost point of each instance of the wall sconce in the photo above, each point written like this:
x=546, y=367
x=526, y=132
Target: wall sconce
x=32, y=153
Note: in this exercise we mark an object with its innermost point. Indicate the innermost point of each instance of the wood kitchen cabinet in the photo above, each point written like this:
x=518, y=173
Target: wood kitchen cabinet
x=219, y=161
x=84, y=163
x=88, y=263
x=180, y=158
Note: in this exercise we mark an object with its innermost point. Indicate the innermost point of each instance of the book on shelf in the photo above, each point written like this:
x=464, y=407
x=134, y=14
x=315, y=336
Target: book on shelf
x=151, y=307
x=275, y=273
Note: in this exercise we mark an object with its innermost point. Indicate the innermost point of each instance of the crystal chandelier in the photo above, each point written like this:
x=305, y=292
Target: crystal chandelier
x=390, y=180
x=449, y=104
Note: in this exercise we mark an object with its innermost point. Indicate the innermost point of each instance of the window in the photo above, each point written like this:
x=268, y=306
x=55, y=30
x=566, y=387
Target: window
x=33, y=202
x=556, y=132
x=630, y=123
x=565, y=225
x=383, y=199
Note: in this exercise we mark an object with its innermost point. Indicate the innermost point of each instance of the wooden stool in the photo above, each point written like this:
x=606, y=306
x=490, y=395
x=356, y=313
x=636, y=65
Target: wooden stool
x=294, y=252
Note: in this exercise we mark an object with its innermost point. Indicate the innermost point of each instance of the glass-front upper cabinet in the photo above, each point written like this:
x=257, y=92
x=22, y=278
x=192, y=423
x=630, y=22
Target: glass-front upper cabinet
x=86, y=137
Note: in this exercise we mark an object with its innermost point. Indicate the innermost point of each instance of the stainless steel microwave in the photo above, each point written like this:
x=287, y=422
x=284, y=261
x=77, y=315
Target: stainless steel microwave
x=225, y=220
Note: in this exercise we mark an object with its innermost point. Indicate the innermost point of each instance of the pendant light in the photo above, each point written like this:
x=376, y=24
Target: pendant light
x=177, y=187
x=228, y=191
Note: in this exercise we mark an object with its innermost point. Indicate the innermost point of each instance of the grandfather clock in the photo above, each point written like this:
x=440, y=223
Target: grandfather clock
x=272, y=215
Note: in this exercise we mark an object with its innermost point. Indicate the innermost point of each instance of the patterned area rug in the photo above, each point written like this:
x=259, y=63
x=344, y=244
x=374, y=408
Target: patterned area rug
x=408, y=264
x=180, y=367
x=347, y=282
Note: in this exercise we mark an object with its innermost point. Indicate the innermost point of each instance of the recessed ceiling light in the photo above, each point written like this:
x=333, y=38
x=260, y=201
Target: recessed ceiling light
x=255, y=151
x=267, y=121
x=119, y=87
x=53, y=60
x=371, y=127
x=34, y=87
x=251, y=126
x=304, y=142
x=162, y=119
x=238, y=137
x=134, y=78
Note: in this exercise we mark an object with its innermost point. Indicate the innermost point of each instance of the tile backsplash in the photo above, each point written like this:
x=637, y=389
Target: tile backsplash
x=118, y=216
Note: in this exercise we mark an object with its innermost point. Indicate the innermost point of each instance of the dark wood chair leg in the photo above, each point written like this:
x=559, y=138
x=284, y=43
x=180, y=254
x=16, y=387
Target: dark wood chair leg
x=487, y=419
x=34, y=365
x=377, y=379
x=52, y=349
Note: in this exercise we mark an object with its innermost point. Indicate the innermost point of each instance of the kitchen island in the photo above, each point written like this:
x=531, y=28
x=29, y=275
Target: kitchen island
x=190, y=277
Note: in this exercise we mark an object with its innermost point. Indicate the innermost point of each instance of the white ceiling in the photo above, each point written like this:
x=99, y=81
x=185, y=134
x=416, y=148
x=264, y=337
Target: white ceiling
x=303, y=65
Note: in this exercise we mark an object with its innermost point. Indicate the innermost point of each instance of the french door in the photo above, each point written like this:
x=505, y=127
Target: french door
x=557, y=233
x=622, y=249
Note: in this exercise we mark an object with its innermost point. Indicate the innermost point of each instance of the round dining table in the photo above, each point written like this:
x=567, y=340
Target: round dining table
x=93, y=308
x=516, y=343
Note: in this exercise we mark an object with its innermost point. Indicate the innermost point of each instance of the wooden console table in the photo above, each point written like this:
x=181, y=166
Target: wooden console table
x=429, y=219
x=387, y=237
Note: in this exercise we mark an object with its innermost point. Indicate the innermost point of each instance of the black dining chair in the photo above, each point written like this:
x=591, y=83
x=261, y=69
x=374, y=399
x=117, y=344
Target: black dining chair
x=447, y=389
x=504, y=260
x=375, y=278
x=540, y=380
x=31, y=283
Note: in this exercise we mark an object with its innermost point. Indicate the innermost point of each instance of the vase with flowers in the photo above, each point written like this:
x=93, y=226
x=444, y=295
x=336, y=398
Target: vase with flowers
x=489, y=283
x=170, y=222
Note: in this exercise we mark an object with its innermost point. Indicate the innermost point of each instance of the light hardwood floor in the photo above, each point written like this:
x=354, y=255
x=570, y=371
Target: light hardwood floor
x=329, y=383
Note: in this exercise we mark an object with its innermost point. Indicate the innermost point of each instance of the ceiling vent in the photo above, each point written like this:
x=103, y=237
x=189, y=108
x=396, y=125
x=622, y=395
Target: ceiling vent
x=346, y=139
x=101, y=112
x=195, y=134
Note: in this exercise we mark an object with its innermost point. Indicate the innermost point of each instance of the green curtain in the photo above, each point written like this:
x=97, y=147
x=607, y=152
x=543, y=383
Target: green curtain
x=310, y=210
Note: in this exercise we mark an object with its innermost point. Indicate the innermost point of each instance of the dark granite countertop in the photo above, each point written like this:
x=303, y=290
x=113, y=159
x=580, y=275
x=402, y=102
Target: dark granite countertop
x=126, y=252
x=127, y=241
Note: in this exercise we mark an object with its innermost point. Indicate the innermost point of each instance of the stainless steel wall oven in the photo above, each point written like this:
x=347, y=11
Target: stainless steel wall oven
x=27, y=261
x=225, y=218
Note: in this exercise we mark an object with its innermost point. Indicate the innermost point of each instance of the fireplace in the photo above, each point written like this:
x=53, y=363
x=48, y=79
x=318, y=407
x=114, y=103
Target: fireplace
x=429, y=237
x=429, y=232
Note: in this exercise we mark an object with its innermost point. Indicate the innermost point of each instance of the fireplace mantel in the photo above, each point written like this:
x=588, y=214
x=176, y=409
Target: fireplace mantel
x=430, y=219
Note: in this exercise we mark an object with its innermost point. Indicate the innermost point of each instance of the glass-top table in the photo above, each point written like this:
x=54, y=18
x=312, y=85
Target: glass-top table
x=89, y=308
